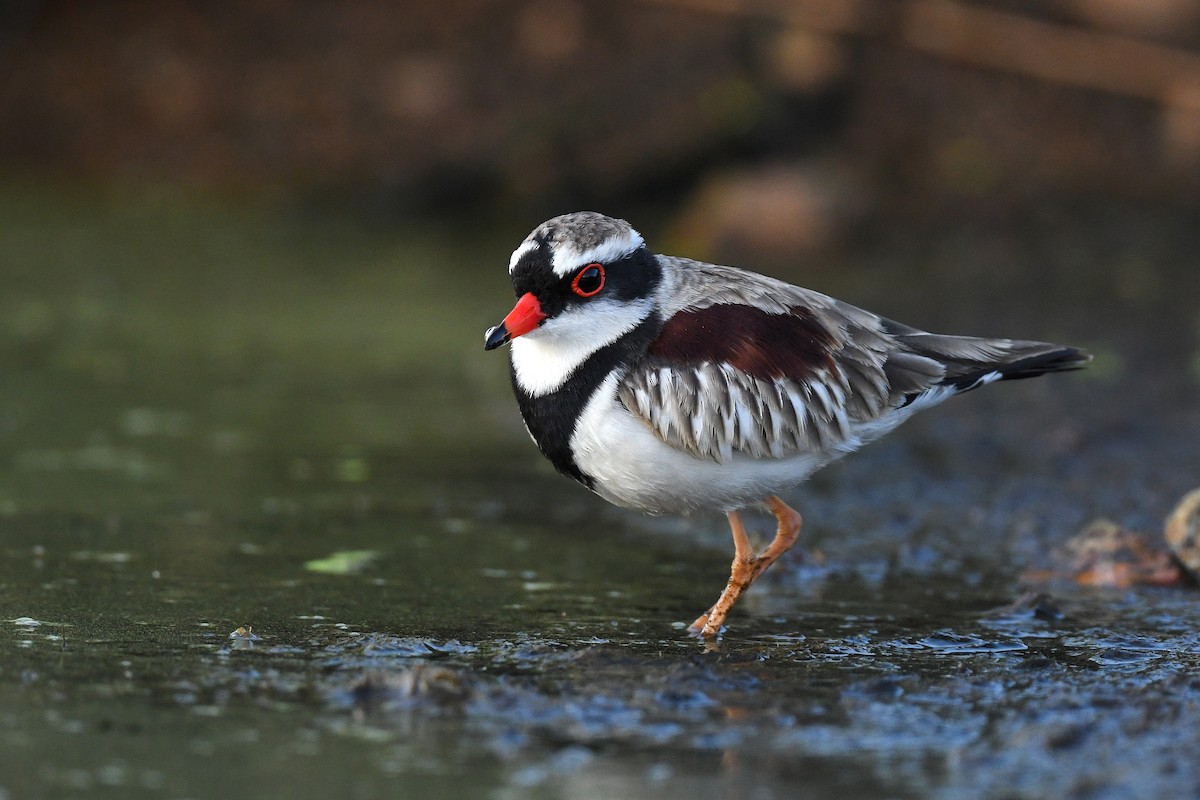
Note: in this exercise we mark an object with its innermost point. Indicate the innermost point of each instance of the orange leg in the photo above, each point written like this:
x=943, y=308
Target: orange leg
x=746, y=565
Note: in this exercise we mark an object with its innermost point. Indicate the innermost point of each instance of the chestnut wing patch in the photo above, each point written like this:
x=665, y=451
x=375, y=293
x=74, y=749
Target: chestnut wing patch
x=750, y=340
x=733, y=378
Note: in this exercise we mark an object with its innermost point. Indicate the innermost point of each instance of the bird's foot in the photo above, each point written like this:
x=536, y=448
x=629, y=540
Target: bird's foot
x=742, y=573
x=747, y=565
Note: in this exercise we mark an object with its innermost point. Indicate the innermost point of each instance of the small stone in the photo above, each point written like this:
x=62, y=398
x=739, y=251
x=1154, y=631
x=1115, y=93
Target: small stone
x=1183, y=532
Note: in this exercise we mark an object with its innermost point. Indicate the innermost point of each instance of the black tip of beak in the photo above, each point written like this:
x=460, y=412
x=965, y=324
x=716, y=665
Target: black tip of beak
x=495, y=336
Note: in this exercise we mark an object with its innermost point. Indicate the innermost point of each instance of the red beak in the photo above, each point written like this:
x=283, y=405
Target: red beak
x=525, y=316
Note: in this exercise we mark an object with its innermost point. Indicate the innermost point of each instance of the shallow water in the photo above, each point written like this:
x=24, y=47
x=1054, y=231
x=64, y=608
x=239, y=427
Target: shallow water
x=224, y=416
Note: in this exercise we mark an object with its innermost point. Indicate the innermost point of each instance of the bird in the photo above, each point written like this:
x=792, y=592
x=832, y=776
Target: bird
x=670, y=385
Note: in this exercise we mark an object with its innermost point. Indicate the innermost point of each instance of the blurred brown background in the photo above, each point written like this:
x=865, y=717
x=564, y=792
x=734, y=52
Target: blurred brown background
x=762, y=124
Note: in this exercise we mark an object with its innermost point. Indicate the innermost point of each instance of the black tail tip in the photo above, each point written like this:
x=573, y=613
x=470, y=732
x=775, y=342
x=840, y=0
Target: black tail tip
x=1062, y=359
x=1041, y=362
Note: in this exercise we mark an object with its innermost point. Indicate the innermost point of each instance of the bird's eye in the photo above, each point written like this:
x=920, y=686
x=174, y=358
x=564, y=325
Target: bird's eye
x=588, y=281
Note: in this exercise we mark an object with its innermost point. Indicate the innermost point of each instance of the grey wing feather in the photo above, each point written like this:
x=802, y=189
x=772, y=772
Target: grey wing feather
x=713, y=410
x=876, y=365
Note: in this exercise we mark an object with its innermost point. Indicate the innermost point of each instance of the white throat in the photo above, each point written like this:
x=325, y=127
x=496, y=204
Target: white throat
x=546, y=357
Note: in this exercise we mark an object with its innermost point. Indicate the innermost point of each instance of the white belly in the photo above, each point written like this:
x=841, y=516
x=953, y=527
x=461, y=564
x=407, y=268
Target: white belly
x=634, y=468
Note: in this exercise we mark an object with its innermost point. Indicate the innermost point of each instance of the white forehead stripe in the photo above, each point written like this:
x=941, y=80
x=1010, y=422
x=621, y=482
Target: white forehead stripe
x=526, y=246
x=567, y=259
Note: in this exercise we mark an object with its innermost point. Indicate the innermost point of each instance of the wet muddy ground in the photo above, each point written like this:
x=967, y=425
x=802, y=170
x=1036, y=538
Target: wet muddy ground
x=270, y=526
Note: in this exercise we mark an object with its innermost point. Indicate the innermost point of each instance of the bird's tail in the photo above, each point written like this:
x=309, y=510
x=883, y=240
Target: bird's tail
x=971, y=362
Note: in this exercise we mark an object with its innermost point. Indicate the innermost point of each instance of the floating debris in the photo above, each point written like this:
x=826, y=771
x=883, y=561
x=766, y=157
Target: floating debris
x=243, y=638
x=346, y=562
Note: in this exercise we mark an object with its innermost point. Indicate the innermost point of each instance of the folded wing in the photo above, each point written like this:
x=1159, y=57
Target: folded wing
x=752, y=365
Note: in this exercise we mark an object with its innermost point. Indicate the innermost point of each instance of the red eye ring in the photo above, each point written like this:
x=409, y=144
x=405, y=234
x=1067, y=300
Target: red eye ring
x=588, y=281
